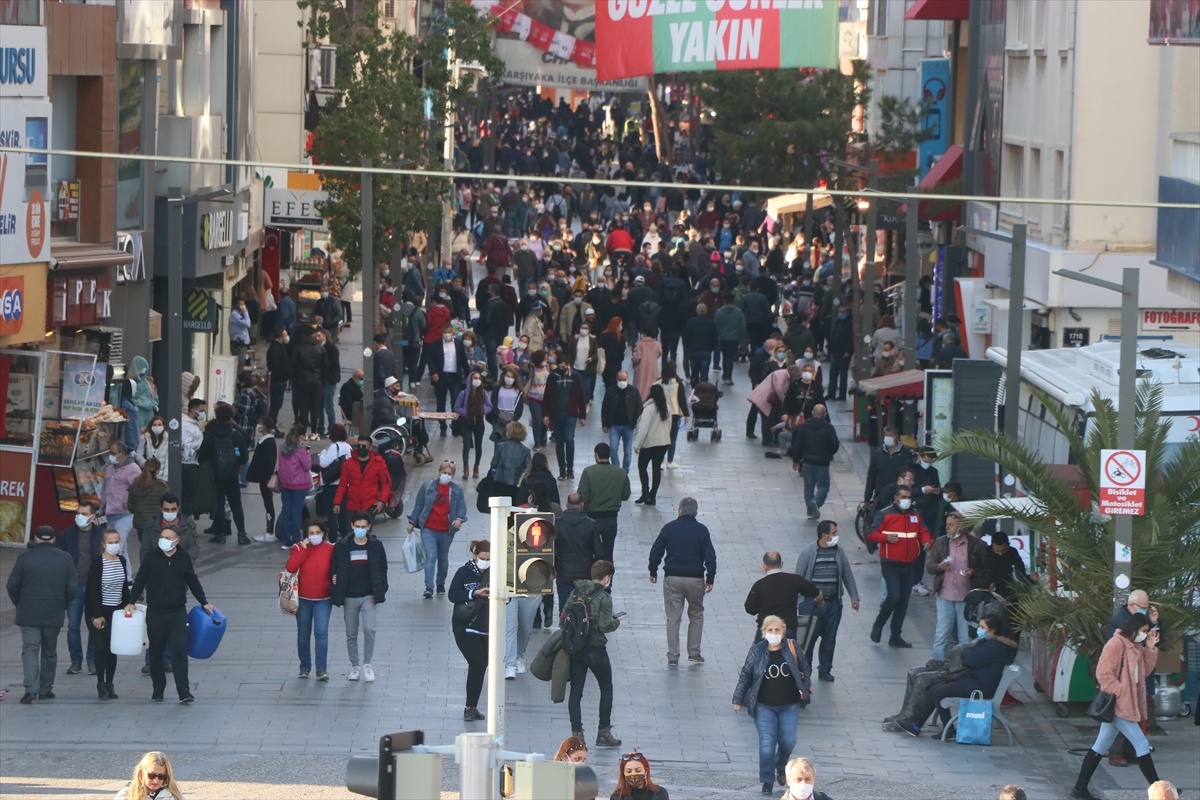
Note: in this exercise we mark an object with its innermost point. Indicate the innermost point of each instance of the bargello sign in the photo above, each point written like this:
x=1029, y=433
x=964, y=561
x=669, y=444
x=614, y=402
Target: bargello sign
x=217, y=230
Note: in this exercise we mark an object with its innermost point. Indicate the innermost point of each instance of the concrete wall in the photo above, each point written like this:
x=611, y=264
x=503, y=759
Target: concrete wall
x=896, y=56
x=279, y=82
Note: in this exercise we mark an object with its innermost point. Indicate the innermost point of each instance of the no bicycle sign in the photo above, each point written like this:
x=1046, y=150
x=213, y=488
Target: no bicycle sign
x=1123, y=482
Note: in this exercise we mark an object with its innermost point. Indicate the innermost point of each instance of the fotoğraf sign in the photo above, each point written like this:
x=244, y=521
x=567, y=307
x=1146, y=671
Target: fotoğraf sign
x=642, y=37
x=1123, y=482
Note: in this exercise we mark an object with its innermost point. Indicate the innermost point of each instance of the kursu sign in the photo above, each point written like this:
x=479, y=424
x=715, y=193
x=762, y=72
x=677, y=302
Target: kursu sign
x=642, y=37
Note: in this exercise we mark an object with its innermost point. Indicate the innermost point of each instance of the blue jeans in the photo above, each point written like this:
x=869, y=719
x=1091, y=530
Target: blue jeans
x=325, y=509
x=698, y=364
x=589, y=384
x=776, y=737
x=539, y=427
x=287, y=531
x=564, y=591
x=328, y=391
x=564, y=441
x=829, y=619
x=816, y=484
x=897, y=576
x=1131, y=730
x=620, y=439
x=312, y=620
x=674, y=438
x=949, y=617
x=437, y=555
x=74, y=637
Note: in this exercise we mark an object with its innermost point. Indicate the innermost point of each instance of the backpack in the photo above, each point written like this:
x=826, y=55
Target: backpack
x=576, y=626
x=226, y=463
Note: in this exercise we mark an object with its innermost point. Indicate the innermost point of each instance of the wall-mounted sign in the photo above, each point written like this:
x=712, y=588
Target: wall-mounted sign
x=1077, y=337
x=66, y=201
x=131, y=242
x=934, y=76
x=1123, y=482
x=216, y=230
x=24, y=181
x=1171, y=319
x=16, y=483
x=199, y=312
x=24, y=64
x=81, y=299
x=12, y=304
x=293, y=208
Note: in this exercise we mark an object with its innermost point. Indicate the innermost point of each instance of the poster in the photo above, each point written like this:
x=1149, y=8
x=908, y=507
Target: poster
x=78, y=377
x=1174, y=22
x=24, y=183
x=222, y=381
x=934, y=75
x=16, y=475
x=642, y=37
x=527, y=66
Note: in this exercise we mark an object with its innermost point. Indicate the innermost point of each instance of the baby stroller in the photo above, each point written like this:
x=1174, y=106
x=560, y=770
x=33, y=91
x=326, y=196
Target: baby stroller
x=705, y=405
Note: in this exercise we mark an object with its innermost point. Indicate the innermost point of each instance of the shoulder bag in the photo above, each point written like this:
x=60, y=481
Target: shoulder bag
x=1104, y=705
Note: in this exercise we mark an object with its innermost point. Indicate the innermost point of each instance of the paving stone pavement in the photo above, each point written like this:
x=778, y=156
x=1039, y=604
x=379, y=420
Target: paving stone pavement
x=257, y=731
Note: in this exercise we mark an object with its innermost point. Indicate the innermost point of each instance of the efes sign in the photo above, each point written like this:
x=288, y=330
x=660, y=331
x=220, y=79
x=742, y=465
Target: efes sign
x=23, y=61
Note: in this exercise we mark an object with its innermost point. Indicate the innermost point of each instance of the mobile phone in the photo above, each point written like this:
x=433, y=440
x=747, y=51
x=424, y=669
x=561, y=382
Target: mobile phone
x=619, y=614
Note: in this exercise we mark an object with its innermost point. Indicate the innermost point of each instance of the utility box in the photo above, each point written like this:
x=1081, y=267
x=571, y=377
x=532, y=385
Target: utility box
x=554, y=780
x=418, y=776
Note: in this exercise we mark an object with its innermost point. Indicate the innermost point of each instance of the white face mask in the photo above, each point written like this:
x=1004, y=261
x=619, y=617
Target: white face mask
x=476, y=384
x=82, y=520
x=483, y=563
x=520, y=345
x=904, y=504
x=156, y=430
x=112, y=549
x=888, y=441
x=925, y=464
x=444, y=478
x=833, y=540
x=622, y=384
x=447, y=337
x=808, y=354
x=773, y=638
x=1141, y=637
x=801, y=791
x=508, y=380
x=315, y=539
x=166, y=545
x=112, y=459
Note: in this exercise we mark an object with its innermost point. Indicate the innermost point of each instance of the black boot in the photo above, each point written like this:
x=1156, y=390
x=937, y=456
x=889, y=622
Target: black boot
x=1146, y=763
x=101, y=691
x=1090, y=762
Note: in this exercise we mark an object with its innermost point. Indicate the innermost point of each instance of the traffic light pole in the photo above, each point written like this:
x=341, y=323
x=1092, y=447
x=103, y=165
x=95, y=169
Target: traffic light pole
x=497, y=640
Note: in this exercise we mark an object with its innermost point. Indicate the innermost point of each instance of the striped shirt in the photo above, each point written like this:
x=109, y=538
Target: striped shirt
x=825, y=572
x=112, y=580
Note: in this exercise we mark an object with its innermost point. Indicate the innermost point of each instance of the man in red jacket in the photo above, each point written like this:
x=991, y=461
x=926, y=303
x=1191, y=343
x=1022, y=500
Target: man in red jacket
x=901, y=536
x=364, y=485
x=436, y=318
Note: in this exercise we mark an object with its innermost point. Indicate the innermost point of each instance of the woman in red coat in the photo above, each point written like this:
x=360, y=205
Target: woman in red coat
x=312, y=558
x=364, y=485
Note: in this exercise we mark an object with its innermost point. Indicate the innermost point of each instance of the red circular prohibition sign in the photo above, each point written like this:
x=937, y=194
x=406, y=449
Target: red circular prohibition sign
x=1122, y=474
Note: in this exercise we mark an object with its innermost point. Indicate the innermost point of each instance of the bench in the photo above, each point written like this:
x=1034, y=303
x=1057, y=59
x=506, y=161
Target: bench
x=1010, y=674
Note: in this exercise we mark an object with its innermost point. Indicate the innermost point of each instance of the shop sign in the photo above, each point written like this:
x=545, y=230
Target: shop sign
x=24, y=181
x=15, y=495
x=293, y=208
x=199, y=312
x=1076, y=337
x=12, y=304
x=67, y=201
x=1171, y=319
x=81, y=300
x=131, y=242
x=216, y=230
x=23, y=61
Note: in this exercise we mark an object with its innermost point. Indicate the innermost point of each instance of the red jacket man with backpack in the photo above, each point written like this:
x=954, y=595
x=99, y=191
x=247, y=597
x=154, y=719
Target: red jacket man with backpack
x=365, y=482
x=901, y=537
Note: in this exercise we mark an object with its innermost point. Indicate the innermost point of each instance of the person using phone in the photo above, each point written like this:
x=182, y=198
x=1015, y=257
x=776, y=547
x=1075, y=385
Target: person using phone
x=595, y=657
x=471, y=584
x=955, y=561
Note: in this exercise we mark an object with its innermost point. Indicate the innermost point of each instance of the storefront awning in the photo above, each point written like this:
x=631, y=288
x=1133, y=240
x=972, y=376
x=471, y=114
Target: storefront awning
x=939, y=9
x=947, y=169
x=87, y=256
x=795, y=203
x=907, y=385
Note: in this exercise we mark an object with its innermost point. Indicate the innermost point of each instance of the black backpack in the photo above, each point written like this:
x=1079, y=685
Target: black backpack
x=576, y=626
x=225, y=463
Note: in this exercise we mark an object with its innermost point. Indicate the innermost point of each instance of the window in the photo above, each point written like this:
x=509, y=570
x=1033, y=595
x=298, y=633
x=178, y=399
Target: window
x=389, y=9
x=878, y=18
x=1034, y=212
x=1013, y=181
x=1041, y=20
x=1059, y=188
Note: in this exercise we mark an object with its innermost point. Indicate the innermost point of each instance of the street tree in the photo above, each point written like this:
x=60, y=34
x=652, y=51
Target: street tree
x=1166, y=541
x=394, y=92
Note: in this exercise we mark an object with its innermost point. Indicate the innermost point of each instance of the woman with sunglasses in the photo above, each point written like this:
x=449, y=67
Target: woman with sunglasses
x=633, y=781
x=572, y=749
x=153, y=779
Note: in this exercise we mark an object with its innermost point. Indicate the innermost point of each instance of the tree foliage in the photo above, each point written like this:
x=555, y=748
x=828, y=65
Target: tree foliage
x=1166, y=541
x=386, y=80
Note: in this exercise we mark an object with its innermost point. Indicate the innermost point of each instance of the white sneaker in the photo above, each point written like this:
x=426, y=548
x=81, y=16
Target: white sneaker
x=368, y=673
x=520, y=666
x=354, y=675
x=919, y=589
x=266, y=537
x=672, y=465
x=510, y=673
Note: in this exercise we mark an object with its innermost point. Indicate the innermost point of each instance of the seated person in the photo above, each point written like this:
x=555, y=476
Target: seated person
x=983, y=663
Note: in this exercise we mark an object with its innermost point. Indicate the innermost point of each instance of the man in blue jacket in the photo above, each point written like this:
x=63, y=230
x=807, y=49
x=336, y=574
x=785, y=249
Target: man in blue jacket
x=690, y=568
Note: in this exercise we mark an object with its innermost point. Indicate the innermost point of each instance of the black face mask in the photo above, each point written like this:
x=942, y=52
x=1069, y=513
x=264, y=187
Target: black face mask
x=364, y=450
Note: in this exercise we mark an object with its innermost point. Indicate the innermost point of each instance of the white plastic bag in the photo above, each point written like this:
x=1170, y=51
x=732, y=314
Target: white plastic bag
x=413, y=553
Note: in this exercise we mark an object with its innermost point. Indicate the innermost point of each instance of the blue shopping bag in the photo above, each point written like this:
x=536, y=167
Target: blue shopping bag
x=974, y=720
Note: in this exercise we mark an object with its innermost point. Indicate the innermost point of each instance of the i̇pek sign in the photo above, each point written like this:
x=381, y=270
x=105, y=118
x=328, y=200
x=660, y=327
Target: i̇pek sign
x=1123, y=482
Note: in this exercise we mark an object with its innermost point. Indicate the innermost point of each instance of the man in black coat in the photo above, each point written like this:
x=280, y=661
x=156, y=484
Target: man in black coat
x=383, y=361
x=41, y=585
x=813, y=447
x=447, y=370
x=699, y=342
x=351, y=393
x=886, y=461
x=577, y=545
x=672, y=294
x=226, y=448
x=279, y=370
x=619, y=416
x=951, y=350
x=331, y=375
x=308, y=370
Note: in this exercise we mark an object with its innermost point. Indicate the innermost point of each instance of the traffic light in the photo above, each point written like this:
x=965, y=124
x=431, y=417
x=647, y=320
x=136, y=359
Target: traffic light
x=531, y=554
x=397, y=773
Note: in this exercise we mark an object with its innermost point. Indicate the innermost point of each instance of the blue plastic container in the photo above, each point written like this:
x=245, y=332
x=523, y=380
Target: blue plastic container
x=204, y=632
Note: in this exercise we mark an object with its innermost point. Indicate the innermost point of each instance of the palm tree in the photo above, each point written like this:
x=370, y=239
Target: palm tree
x=1166, y=541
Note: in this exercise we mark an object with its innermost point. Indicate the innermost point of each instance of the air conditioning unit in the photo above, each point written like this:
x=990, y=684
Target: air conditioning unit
x=389, y=9
x=322, y=67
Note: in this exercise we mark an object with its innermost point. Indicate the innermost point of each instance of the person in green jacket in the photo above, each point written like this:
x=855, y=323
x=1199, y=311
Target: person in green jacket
x=731, y=332
x=595, y=657
x=145, y=396
x=603, y=487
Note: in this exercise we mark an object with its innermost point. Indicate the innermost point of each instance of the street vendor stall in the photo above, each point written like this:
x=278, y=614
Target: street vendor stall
x=874, y=400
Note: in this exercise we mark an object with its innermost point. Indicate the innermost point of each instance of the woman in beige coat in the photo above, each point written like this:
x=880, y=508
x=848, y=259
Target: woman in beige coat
x=1126, y=660
x=651, y=441
x=646, y=355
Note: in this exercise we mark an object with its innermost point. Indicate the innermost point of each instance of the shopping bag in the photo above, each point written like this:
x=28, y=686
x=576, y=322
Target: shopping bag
x=974, y=720
x=289, y=592
x=413, y=553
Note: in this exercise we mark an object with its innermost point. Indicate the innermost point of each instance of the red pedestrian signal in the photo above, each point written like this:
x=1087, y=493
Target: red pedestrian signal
x=531, y=554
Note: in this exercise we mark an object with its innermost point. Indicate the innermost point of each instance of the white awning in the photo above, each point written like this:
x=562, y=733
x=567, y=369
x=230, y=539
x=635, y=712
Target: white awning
x=794, y=203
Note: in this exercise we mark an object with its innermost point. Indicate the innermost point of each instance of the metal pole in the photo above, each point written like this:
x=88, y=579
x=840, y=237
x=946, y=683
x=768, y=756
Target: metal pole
x=478, y=781
x=808, y=233
x=448, y=160
x=369, y=292
x=866, y=311
x=1126, y=418
x=839, y=241
x=1016, y=317
x=498, y=596
x=173, y=383
x=912, y=273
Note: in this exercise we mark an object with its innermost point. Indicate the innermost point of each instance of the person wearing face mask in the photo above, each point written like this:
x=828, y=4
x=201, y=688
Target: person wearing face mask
x=82, y=540
x=927, y=495
x=563, y=405
x=774, y=683
x=900, y=536
x=145, y=499
x=359, y=585
x=473, y=406
x=841, y=353
x=279, y=371
x=592, y=592
x=145, y=394
x=166, y=575
x=448, y=369
x=119, y=475
x=311, y=559
x=364, y=484
x=469, y=591
x=827, y=566
x=769, y=395
x=885, y=463
x=633, y=781
x=888, y=362
x=804, y=391
x=573, y=749
x=153, y=444
x=619, y=414
x=329, y=309
x=439, y=511
x=507, y=400
x=262, y=467
x=801, y=779
x=42, y=585
x=814, y=445
x=954, y=561
x=107, y=590
x=585, y=354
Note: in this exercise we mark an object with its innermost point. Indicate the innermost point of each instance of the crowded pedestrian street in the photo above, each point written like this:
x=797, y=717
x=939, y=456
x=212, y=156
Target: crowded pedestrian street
x=256, y=731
